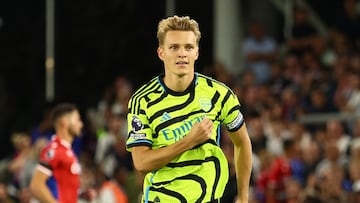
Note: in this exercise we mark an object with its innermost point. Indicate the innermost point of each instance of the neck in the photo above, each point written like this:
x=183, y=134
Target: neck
x=178, y=83
x=64, y=135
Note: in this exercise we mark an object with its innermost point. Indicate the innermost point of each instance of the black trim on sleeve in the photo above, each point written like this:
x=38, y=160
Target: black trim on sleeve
x=138, y=144
x=45, y=164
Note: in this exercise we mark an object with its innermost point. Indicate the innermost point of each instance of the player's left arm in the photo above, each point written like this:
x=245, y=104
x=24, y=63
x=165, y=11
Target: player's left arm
x=243, y=161
x=39, y=188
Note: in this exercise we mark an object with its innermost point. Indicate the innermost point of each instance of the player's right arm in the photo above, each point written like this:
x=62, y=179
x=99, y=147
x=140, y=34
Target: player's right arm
x=39, y=188
x=146, y=159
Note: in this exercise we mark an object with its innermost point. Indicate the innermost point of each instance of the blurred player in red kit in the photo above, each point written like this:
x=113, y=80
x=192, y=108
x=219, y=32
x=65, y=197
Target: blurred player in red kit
x=56, y=177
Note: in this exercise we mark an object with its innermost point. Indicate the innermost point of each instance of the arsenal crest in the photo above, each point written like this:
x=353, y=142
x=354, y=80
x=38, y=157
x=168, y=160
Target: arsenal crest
x=205, y=104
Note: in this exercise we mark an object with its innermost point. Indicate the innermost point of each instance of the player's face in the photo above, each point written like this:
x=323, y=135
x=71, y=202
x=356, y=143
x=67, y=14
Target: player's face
x=75, y=124
x=179, y=53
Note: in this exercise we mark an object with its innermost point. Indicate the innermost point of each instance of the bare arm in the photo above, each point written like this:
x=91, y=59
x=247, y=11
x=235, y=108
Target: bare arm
x=39, y=188
x=146, y=159
x=243, y=162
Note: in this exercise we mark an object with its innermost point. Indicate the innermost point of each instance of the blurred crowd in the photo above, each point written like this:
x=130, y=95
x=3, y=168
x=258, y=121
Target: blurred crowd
x=294, y=161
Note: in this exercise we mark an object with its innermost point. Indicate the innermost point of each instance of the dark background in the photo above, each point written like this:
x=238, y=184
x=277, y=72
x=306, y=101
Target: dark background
x=95, y=42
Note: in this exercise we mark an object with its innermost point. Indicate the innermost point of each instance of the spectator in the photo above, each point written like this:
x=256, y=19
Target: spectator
x=347, y=22
x=353, y=102
x=278, y=80
x=22, y=145
x=354, y=164
x=251, y=101
x=343, y=88
x=105, y=155
x=304, y=36
x=262, y=175
x=330, y=158
x=4, y=195
x=280, y=171
x=26, y=171
x=247, y=80
x=355, y=130
x=311, y=193
x=113, y=190
x=257, y=135
x=335, y=131
x=88, y=184
x=123, y=90
x=293, y=70
x=290, y=104
x=332, y=185
x=315, y=75
x=294, y=192
x=277, y=133
x=317, y=102
x=44, y=127
x=98, y=116
x=299, y=133
x=219, y=72
x=311, y=156
x=260, y=52
x=25, y=196
x=114, y=101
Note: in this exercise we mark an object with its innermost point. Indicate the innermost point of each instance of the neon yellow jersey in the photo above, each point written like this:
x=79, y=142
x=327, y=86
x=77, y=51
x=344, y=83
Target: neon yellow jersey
x=159, y=117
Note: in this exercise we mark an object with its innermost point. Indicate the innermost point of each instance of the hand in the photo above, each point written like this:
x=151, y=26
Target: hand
x=89, y=195
x=200, y=132
x=240, y=201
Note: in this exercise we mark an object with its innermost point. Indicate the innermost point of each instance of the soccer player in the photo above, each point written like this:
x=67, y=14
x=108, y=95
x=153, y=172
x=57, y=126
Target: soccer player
x=56, y=177
x=174, y=125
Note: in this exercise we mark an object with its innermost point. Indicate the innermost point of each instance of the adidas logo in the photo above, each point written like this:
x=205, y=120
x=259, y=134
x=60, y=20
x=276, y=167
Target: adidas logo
x=157, y=199
x=165, y=117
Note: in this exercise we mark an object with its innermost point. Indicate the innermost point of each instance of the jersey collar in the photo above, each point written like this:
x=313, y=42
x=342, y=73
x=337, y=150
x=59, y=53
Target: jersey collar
x=63, y=142
x=169, y=91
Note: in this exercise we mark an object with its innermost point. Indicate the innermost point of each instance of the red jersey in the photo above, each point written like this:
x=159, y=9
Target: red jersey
x=279, y=172
x=260, y=185
x=59, y=162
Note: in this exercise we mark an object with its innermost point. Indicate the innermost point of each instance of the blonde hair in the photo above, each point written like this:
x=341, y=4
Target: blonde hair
x=175, y=22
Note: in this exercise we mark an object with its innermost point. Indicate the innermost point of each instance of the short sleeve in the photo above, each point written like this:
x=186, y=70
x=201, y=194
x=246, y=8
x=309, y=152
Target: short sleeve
x=49, y=159
x=231, y=116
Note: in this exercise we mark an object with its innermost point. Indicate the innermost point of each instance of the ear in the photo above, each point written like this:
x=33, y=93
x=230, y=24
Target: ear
x=64, y=121
x=59, y=123
x=160, y=52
